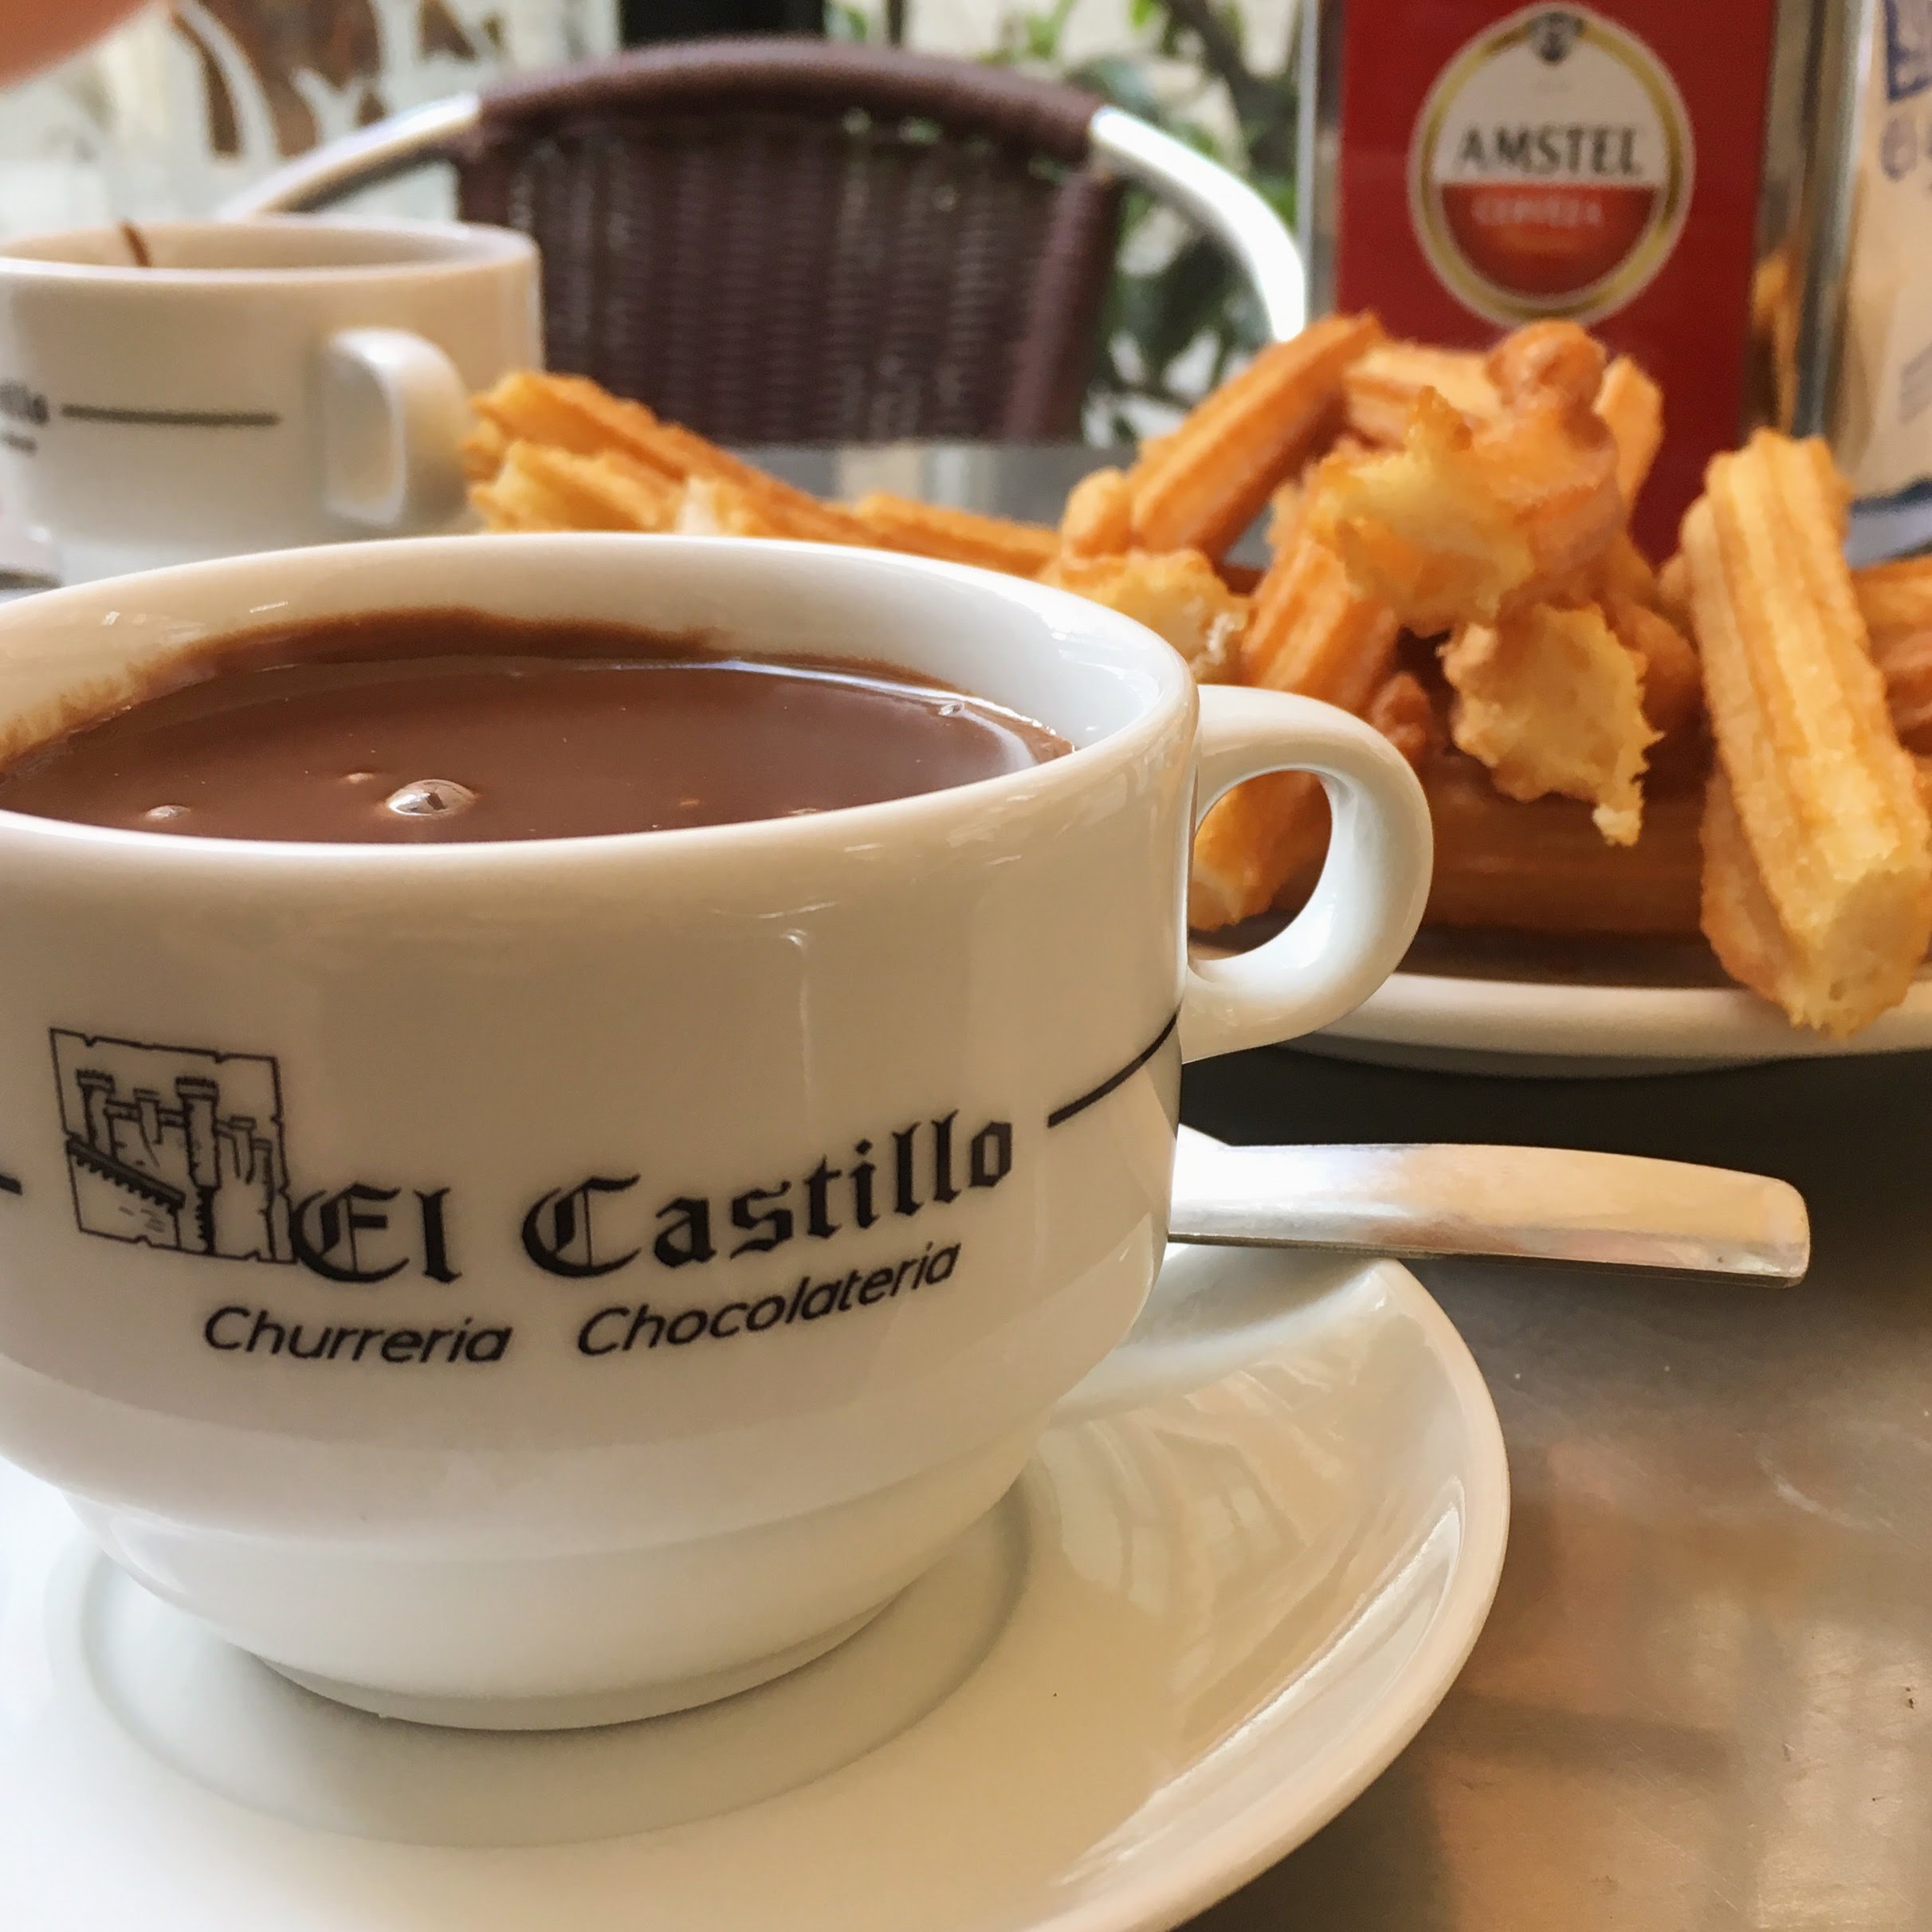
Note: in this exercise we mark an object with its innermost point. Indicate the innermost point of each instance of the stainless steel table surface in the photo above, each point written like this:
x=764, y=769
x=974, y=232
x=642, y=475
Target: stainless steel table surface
x=1703, y=1702
x=1704, y=1699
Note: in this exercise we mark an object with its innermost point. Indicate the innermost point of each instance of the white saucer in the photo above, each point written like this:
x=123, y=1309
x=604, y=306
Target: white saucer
x=1510, y=1003
x=1185, y=1639
x=1441, y=1025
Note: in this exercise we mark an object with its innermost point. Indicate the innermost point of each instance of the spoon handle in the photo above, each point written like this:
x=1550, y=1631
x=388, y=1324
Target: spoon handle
x=1535, y=1204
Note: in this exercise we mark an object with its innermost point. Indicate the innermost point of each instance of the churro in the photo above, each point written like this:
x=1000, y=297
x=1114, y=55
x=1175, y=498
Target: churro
x=1904, y=658
x=1673, y=682
x=1547, y=361
x=1818, y=854
x=1286, y=506
x=1463, y=521
x=1310, y=632
x=1895, y=598
x=1550, y=458
x=1098, y=518
x=1178, y=596
x=957, y=537
x=1545, y=868
x=1632, y=406
x=564, y=412
x=1420, y=528
x=483, y=449
x=1404, y=713
x=1199, y=487
x=1740, y=738
x=536, y=487
x=1549, y=699
x=1378, y=391
x=1252, y=843
x=572, y=413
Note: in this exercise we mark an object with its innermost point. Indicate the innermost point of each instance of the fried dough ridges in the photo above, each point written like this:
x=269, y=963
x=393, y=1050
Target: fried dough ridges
x=571, y=413
x=1551, y=700
x=1199, y=487
x=1378, y=391
x=537, y=487
x=957, y=537
x=1310, y=632
x=1463, y=521
x=1177, y=595
x=1452, y=554
x=1817, y=851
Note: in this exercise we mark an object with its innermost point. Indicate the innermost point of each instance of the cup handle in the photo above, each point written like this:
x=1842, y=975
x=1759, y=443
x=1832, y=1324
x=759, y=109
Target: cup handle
x=394, y=412
x=1213, y=1309
x=1368, y=901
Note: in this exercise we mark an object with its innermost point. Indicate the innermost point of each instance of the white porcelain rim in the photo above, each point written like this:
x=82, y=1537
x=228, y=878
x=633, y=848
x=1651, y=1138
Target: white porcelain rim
x=1167, y=707
x=1227, y=1857
x=1507, y=1017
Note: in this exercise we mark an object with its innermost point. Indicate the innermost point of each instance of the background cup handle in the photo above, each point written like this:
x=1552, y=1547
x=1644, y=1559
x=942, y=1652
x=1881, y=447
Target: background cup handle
x=394, y=413
x=1369, y=901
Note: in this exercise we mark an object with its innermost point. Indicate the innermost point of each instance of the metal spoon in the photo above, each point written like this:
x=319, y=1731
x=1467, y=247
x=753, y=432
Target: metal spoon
x=1537, y=1204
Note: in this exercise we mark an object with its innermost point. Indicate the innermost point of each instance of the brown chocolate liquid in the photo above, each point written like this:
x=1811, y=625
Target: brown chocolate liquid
x=413, y=727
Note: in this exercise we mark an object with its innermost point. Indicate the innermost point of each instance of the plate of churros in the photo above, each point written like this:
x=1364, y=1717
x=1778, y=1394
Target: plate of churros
x=1680, y=802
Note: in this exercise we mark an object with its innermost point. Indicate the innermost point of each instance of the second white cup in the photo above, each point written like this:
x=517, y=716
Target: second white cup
x=258, y=385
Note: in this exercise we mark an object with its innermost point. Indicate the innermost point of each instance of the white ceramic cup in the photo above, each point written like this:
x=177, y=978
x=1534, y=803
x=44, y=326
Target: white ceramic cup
x=265, y=383
x=549, y=1283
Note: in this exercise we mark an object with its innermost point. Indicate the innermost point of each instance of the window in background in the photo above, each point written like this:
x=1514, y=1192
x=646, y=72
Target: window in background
x=1218, y=73
x=188, y=103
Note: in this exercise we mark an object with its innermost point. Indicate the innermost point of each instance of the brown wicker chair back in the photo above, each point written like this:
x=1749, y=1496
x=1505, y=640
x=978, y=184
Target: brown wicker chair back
x=791, y=241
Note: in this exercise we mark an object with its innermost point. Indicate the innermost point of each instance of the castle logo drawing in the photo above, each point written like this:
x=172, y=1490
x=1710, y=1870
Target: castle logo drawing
x=174, y=1146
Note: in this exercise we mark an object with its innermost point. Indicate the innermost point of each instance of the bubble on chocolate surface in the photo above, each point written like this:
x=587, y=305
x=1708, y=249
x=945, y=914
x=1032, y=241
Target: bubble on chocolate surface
x=163, y=812
x=430, y=798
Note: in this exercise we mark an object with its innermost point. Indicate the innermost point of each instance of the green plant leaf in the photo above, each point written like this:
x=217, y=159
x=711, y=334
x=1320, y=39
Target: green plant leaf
x=1195, y=300
x=1033, y=34
x=1187, y=295
x=1278, y=191
x=1202, y=139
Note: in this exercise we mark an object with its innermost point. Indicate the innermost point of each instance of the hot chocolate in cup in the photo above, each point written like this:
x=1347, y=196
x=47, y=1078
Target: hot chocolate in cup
x=554, y=1281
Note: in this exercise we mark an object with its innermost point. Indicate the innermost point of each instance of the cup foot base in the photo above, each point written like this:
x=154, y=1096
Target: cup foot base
x=579, y=1710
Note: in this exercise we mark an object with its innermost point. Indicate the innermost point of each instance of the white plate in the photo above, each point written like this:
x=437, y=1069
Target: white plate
x=1184, y=1641
x=1497, y=1004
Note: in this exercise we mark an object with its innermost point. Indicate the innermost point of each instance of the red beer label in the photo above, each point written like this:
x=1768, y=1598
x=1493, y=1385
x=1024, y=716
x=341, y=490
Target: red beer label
x=1550, y=168
x=1601, y=164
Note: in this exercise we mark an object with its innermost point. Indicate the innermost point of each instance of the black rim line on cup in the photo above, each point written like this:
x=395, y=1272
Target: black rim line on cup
x=58, y=268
